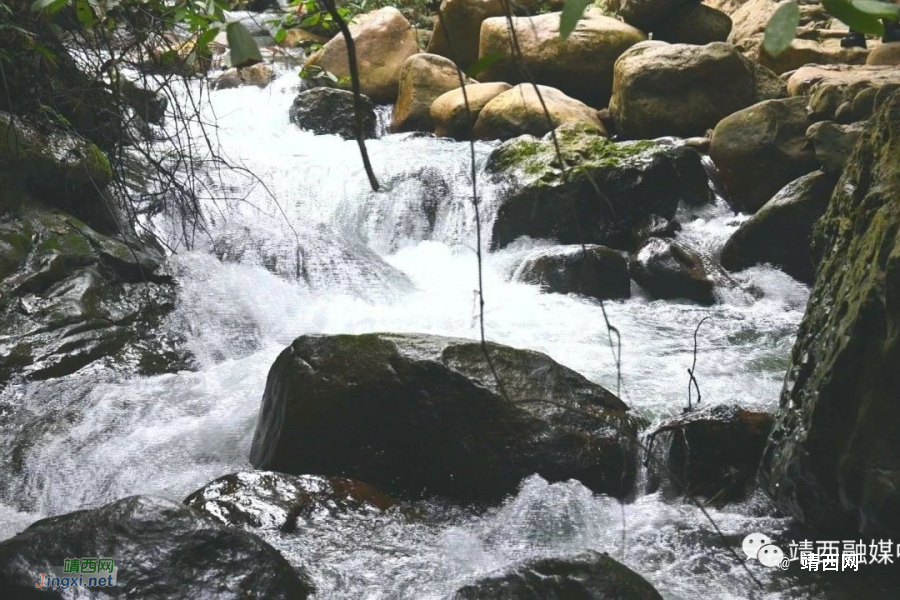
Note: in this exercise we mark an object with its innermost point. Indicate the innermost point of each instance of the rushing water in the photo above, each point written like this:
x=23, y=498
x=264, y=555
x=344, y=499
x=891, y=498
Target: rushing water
x=308, y=247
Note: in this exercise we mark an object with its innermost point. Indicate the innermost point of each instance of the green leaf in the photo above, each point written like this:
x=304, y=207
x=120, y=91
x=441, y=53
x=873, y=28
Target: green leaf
x=84, y=13
x=854, y=17
x=244, y=51
x=280, y=34
x=206, y=37
x=570, y=15
x=882, y=10
x=50, y=6
x=482, y=63
x=781, y=28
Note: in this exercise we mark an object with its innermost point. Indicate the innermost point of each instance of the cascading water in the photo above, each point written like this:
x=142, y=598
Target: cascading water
x=309, y=247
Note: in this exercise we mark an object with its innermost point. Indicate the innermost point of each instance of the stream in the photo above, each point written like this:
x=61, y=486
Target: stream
x=306, y=246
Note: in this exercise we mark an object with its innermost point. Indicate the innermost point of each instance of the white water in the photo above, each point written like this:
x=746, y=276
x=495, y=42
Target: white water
x=398, y=260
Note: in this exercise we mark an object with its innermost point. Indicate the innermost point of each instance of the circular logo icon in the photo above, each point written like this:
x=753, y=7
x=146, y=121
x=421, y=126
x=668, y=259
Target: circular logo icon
x=753, y=542
x=770, y=555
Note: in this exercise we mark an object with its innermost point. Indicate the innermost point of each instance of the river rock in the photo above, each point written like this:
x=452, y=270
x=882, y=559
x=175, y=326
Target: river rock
x=580, y=66
x=589, y=575
x=664, y=89
x=845, y=80
x=423, y=78
x=713, y=453
x=595, y=271
x=259, y=75
x=463, y=19
x=294, y=38
x=780, y=232
x=825, y=51
x=761, y=149
x=885, y=55
x=668, y=270
x=449, y=114
x=652, y=226
x=419, y=414
x=384, y=39
x=832, y=458
x=634, y=179
x=647, y=14
x=326, y=110
x=694, y=23
x=833, y=144
x=519, y=111
x=267, y=500
x=162, y=549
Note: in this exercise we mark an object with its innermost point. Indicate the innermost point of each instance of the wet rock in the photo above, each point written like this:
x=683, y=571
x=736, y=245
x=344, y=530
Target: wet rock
x=635, y=179
x=383, y=39
x=713, y=453
x=761, y=149
x=667, y=270
x=833, y=144
x=449, y=114
x=780, y=233
x=832, y=458
x=267, y=500
x=665, y=89
x=162, y=549
x=259, y=75
x=418, y=414
x=326, y=111
x=423, y=78
x=653, y=226
x=692, y=23
x=580, y=67
x=520, y=111
x=595, y=271
x=586, y=575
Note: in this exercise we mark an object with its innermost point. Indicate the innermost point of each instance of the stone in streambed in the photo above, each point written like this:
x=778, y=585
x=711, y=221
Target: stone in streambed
x=694, y=23
x=326, y=111
x=669, y=270
x=595, y=271
x=423, y=78
x=422, y=415
x=833, y=143
x=451, y=115
x=258, y=75
x=162, y=549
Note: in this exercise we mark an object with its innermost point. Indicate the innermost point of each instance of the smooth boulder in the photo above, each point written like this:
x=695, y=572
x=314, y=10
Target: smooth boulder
x=580, y=66
x=780, y=232
x=833, y=458
x=423, y=79
x=462, y=19
x=594, y=271
x=268, y=500
x=160, y=548
x=422, y=415
x=668, y=270
x=326, y=111
x=454, y=114
x=384, y=39
x=520, y=110
x=647, y=14
x=760, y=149
x=662, y=89
x=833, y=143
x=694, y=23
x=588, y=575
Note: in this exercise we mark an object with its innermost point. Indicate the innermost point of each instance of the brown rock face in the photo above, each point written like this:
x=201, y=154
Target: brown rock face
x=449, y=113
x=463, y=19
x=423, y=78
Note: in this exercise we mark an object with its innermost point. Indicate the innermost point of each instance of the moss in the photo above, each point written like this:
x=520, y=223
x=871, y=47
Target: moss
x=97, y=165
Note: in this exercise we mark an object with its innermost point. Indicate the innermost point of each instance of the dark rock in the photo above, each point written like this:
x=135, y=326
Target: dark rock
x=653, y=226
x=694, y=23
x=713, y=453
x=635, y=180
x=267, y=500
x=647, y=14
x=668, y=270
x=761, y=149
x=833, y=458
x=325, y=110
x=780, y=233
x=419, y=414
x=833, y=144
x=589, y=576
x=595, y=271
x=162, y=549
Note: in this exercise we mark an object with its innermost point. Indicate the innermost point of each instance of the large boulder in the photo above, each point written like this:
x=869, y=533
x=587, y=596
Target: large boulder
x=595, y=271
x=668, y=270
x=647, y=14
x=160, y=549
x=418, y=414
x=581, y=66
x=694, y=23
x=664, y=89
x=713, y=453
x=463, y=19
x=384, y=39
x=833, y=143
x=833, y=458
x=589, y=575
x=268, y=500
x=520, y=110
x=326, y=110
x=885, y=55
x=780, y=232
x=633, y=181
x=761, y=149
x=825, y=51
x=423, y=78
x=451, y=115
